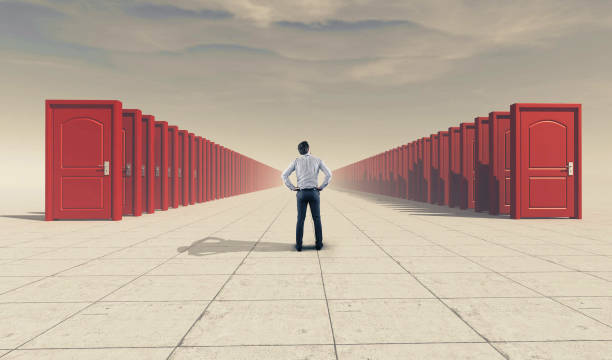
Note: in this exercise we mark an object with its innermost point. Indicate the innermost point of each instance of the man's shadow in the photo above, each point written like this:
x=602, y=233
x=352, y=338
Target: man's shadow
x=214, y=245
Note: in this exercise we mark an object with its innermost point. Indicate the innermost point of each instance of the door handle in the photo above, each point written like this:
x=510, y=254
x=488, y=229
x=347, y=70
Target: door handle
x=180, y=172
x=144, y=171
x=169, y=172
x=128, y=170
x=157, y=171
x=106, y=168
x=570, y=168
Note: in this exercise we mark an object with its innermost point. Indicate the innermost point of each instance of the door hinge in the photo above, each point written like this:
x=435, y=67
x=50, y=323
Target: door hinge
x=570, y=168
x=106, y=168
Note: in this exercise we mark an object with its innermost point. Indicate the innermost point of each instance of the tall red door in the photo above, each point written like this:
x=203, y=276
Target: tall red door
x=184, y=167
x=468, y=164
x=546, y=160
x=481, y=156
x=131, y=141
x=173, y=183
x=499, y=162
x=83, y=160
x=147, y=172
x=434, y=176
x=192, y=168
x=160, y=163
x=443, y=168
x=454, y=161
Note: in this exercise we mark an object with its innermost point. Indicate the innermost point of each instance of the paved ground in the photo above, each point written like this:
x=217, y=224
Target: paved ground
x=396, y=280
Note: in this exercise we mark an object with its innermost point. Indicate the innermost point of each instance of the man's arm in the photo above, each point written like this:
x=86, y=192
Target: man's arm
x=328, y=175
x=285, y=176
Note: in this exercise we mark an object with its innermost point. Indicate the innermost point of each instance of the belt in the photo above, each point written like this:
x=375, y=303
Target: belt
x=308, y=189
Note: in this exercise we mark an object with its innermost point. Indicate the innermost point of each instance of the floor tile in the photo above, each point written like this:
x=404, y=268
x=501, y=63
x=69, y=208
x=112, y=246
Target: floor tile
x=570, y=350
x=465, y=351
x=439, y=264
x=273, y=287
x=360, y=265
x=537, y=319
x=304, y=266
x=262, y=323
x=599, y=308
x=458, y=285
x=368, y=286
x=564, y=283
x=397, y=321
x=517, y=264
x=148, y=324
x=170, y=288
x=21, y=322
x=310, y=352
x=91, y=354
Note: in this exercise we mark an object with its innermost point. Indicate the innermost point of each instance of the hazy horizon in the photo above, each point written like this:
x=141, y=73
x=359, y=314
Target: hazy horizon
x=354, y=78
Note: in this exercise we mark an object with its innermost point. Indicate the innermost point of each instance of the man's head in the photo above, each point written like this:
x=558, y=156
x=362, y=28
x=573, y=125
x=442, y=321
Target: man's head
x=303, y=147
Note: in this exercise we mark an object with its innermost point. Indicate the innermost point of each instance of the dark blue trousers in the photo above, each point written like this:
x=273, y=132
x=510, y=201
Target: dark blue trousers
x=304, y=198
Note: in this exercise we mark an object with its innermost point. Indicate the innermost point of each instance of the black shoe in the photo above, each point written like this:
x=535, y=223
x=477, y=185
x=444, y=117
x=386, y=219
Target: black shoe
x=319, y=246
x=298, y=247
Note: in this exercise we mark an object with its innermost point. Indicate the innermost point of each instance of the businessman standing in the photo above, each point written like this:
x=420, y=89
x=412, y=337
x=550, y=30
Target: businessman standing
x=307, y=168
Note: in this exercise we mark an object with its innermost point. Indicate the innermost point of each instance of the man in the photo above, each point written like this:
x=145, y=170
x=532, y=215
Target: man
x=307, y=168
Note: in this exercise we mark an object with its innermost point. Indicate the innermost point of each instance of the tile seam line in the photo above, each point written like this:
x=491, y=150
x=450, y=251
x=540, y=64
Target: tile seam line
x=201, y=316
x=331, y=324
x=500, y=274
x=423, y=285
x=134, y=279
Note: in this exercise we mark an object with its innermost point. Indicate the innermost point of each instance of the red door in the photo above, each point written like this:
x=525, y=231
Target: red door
x=499, y=162
x=83, y=160
x=443, y=168
x=147, y=183
x=192, y=168
x=481, y=155
x=426, y=169
x=468, y=165
x=160, y=160
x=546, y=162
x=454, y=158
x=184, y=167
x=434, y=174
x=131, y=136
x=173, y=180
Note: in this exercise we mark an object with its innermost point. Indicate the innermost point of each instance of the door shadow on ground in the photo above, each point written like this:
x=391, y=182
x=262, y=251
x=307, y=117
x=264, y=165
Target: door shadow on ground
x=214, y=245
x=420, y=208
x=34, y=217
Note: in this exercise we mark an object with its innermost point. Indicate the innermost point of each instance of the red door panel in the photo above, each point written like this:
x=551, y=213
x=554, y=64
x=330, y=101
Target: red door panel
x=546, y=160
x=160, y=165
x=147, y=164
x=468, y=164
x=83, y=160
x=173, y=180
x=131, y=134
x=443, y=165
x=435, y=169
x=454, y=151
x=499, y=162
x=481, y=185
x=183, y=170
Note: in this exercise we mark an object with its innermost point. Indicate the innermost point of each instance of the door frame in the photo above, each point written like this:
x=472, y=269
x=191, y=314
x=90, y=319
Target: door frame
x=516, y=146
x=116, y=152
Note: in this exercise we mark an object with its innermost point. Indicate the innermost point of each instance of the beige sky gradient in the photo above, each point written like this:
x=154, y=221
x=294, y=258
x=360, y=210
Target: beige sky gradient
x=352, y=77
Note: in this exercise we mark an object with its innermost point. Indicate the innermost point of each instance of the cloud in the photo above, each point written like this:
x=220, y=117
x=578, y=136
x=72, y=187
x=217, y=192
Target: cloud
x=160, y=12
x=340, y=25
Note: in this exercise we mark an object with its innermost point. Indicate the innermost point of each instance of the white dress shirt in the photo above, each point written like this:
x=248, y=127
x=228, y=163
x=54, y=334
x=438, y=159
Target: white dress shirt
x=306, y=169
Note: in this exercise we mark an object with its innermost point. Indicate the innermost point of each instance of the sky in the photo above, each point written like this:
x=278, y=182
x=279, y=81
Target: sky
x=354, y=78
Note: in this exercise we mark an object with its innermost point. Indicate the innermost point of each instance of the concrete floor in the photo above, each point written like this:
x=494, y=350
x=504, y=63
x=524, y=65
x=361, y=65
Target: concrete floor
x=221, y=280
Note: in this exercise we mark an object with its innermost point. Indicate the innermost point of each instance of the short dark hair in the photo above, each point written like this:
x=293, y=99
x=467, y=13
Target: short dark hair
x=303, y=147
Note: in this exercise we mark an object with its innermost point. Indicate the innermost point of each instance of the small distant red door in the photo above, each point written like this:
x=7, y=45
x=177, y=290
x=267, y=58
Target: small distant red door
x=468, y=165
x=173, y=183
x=434, y=175
x=426, y=169
x=443, y=168
x=183, y=161
x=192, y=168
x=160, y=163
x=481, y=155
x=454, y=158
x=132, y=137
x=546, y=160
x=499, y=162
x=148, y=185
x=83, y=160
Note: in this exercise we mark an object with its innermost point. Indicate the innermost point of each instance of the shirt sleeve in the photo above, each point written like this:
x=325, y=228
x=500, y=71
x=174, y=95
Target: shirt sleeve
x=327, y=172
x=286, y=173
